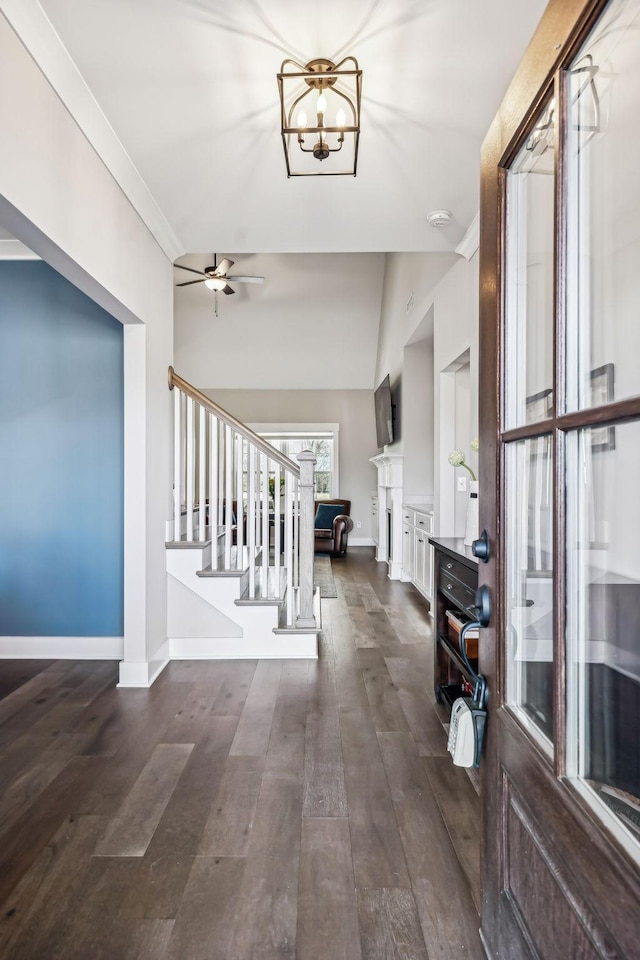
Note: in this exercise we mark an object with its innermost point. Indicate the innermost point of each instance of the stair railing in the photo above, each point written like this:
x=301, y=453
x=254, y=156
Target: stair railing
x=234, y=489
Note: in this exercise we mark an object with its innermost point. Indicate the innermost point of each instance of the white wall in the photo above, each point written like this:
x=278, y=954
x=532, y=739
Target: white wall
x=58, y=198
x=444, y=313
x=299, y=348
x=461, y=441
x=417, y=419
x=409, y=279
x=312, y=325
x=352, y=409
x=455, y=332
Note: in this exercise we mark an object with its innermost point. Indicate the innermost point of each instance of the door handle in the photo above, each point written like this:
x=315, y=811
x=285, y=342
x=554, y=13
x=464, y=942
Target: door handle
x=480, y=548
x=483, y=615
x=480, y=691
x=483, y=605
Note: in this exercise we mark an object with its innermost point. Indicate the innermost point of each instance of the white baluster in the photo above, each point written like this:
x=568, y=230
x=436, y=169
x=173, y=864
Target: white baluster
x=258, y=503
x=251, y=519
x=239, y=499
x=190, y=468
x=264, y=464
x=220, y=473
x=306, y=617
x=296, y=532
x=288, y=542
x=228, y=496
x=202, y=466
x=213, y=488
x=277, y=546
x=177, y=464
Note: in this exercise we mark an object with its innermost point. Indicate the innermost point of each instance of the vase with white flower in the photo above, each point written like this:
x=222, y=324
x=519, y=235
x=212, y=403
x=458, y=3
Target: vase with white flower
x=457, y=459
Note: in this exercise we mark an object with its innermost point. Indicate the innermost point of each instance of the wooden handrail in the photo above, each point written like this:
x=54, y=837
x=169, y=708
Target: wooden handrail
x=263, y=445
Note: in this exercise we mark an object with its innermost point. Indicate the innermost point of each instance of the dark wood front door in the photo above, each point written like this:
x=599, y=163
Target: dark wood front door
x=560, y=462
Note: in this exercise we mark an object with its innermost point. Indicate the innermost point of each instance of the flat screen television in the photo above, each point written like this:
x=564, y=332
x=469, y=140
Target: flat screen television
x=384, y=412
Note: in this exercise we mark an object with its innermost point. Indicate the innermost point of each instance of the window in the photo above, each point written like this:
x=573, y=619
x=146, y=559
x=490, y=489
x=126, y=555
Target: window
x=603, y=286
x=322, y=439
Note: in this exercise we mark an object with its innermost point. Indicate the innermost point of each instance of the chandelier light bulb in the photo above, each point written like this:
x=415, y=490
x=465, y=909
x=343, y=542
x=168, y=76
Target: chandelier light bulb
x=340, y=118
x=302, y=118
x=322, y=104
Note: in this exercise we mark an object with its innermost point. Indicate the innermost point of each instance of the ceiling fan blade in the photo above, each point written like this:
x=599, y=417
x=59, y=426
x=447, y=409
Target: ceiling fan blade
x=223, y=266
x=245, y=279
x=190, y=269
x=187, y=283
x=228, y=290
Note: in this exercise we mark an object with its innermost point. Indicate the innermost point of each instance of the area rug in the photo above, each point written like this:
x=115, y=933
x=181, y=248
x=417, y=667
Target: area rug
x=323, y=577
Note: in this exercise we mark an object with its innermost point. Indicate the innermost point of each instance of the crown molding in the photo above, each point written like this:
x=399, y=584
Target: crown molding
x=471, y=240
x=37, y=34
x=14, y=250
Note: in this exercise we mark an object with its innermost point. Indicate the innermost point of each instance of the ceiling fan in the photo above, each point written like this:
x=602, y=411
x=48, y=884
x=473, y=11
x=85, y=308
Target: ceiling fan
x=216, y=277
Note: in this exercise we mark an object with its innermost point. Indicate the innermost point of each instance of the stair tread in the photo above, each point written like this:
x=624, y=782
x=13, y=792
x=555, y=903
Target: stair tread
x=184, y=544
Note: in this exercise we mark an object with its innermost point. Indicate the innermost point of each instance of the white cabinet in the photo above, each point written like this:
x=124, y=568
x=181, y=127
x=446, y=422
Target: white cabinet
x=408, y=547
x=423, y=563
x=417, y=553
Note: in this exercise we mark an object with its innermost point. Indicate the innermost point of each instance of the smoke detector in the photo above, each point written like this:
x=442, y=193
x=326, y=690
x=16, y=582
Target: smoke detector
x=439, y=218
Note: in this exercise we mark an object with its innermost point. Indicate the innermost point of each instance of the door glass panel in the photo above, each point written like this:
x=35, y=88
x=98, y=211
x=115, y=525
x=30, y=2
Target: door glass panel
x=603, y=617
x=529, y=269
x=603, y=203
x=529, y=593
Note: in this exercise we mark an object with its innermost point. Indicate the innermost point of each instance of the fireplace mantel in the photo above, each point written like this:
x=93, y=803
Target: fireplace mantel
x=389, y=533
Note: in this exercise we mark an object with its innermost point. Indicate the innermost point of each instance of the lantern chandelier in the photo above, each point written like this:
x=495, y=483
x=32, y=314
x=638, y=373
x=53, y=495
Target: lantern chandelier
x=320, y=116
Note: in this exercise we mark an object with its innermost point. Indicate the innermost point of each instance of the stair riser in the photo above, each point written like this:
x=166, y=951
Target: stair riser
x=184, y=566
x=289, y=647
x=221, y=593
x=188, y=596
x=189, y=613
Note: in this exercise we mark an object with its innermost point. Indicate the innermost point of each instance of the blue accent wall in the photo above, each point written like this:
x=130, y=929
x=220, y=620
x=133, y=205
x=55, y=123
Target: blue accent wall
x=61, y=458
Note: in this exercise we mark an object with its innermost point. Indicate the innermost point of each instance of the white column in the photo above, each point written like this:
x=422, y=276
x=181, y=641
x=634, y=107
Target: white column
x=307, y=461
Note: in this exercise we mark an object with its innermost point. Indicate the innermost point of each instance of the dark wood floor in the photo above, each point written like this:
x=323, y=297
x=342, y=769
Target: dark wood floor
x=241, y=810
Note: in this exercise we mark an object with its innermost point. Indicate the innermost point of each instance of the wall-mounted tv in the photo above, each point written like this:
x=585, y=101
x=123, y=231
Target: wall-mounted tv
x=384, y=413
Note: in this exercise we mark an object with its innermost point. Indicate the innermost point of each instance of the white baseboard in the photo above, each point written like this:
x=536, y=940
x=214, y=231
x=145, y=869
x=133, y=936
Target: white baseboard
x=142, y=673
x=361, y=542
x=278, y=647
x=61, y=648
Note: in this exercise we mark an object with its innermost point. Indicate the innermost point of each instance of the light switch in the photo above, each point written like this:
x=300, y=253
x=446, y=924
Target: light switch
x=462, y=484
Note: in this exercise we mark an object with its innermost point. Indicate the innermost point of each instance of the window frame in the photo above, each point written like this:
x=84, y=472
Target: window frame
x=306, y=430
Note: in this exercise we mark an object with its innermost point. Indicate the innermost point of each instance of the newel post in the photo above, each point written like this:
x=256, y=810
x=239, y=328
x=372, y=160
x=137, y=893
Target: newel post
x=305, y=618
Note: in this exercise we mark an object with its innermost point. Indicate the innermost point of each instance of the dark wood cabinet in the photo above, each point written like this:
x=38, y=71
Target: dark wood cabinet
x=455, y=584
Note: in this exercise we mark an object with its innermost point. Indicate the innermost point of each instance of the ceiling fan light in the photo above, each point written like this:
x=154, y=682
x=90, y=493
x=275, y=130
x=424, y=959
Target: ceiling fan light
x=215, y=284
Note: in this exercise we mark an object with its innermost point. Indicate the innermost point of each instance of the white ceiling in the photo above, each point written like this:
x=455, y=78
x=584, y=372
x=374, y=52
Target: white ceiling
x=189, y=88
x=179, y=98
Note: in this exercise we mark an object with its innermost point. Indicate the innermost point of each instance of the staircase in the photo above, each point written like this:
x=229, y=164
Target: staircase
x=240, y=544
